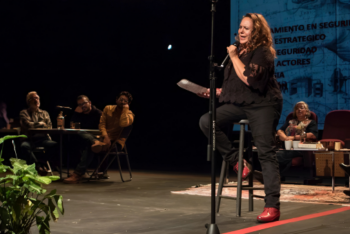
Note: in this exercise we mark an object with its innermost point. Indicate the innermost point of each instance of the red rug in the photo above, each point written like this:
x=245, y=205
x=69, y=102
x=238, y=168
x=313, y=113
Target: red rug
x=289, y=193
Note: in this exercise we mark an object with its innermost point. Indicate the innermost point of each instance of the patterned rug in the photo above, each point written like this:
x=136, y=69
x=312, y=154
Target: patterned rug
x=289, y=193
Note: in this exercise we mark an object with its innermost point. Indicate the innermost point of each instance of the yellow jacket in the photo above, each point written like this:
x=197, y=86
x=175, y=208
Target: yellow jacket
x=113, y=120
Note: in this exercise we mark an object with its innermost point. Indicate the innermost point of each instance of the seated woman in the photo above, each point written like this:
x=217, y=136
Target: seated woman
x=292, y=130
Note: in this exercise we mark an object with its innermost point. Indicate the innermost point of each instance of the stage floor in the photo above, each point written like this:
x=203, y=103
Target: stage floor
x=146, y=205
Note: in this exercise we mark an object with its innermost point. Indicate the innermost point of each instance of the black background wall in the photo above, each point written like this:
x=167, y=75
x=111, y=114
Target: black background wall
x=62, y=49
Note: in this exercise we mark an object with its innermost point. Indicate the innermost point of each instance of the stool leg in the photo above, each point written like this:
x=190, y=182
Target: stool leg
x=240, y=169
x=251, y=182
x=221, y=183
x=251, y=202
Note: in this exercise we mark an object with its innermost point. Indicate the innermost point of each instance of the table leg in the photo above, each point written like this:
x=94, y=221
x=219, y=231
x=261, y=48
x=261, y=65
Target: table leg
x=68, y=158
x=332, y=171
x=61, y=155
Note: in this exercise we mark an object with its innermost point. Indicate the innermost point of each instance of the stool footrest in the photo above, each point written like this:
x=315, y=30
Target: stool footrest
x=244, y=187
x=232, y=185
x=228, y=197
x=235, y=198
x=258, y=196
x=252, y=188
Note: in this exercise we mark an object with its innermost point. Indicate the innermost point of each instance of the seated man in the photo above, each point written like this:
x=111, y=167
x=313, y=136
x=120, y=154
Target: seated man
x=89, y=118
x=86, y=114
x=33, y=117
x=114, y=118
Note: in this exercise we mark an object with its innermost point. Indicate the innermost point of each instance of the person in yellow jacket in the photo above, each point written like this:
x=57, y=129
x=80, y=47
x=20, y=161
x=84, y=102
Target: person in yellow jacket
x=113, y=119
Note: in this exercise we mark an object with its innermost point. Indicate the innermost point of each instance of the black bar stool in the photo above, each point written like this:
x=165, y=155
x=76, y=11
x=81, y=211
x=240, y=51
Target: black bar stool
x=224, y=173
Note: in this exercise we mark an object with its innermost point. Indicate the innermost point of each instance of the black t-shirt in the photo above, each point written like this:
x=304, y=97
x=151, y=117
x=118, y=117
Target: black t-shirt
x=88, y=121
x=260, y=70
x=310, y=128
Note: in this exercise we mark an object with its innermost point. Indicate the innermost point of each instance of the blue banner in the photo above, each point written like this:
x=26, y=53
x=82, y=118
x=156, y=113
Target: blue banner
x=312, y=41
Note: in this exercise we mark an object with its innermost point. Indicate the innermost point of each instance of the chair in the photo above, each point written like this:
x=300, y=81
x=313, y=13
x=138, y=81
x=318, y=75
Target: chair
x=17, y=131
x=8, y=145
x=313, y=116
x=42, y=150
x=115, y=150
x=336, y=126
x=224, y=171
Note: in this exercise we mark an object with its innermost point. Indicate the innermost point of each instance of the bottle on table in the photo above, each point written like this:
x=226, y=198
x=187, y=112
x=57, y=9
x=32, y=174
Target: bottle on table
x=60, y=121
x=303, y=135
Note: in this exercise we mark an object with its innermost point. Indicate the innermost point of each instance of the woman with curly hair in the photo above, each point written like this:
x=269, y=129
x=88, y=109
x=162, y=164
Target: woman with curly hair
x=250, y=91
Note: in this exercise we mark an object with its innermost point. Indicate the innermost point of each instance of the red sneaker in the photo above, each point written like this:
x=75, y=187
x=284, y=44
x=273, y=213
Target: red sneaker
x=269, y=214
x=247, y=169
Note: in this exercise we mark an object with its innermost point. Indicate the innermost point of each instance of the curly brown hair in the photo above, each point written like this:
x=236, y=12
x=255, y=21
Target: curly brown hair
x=261, y=34
x=127, y=94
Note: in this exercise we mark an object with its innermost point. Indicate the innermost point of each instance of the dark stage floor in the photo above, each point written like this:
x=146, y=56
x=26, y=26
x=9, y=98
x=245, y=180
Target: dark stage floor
x=146, y=205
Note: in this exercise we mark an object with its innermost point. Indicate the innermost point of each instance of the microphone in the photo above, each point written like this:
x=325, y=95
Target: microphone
x=63, y=107
x=236, y=43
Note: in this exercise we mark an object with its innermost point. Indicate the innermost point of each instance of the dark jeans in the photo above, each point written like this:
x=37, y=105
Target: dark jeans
x=263, y=120
x=85, y=141
x=28, y=146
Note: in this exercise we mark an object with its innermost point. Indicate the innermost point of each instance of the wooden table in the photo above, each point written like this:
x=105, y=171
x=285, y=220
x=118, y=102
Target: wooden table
x=330, y=152
x=5, y=131
x=61, y=132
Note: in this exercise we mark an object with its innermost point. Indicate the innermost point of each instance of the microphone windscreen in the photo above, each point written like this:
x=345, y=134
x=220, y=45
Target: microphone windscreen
x=63, y=107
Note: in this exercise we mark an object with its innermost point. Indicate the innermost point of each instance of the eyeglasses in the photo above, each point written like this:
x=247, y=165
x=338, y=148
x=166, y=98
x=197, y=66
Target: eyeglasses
x=83, y=104
x=123, y=100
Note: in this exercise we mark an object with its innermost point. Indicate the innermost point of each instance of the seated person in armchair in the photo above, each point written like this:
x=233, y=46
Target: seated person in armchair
x=89, y=118
x=34, y=117
x=293, y=130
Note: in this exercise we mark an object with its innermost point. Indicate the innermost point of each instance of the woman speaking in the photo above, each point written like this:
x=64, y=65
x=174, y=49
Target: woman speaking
x=250, y=91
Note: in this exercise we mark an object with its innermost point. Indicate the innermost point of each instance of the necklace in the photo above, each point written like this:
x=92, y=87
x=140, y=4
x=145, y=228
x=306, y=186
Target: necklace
x=304, y=120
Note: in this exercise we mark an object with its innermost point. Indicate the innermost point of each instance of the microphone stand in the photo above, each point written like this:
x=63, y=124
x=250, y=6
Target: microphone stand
x=212, y=228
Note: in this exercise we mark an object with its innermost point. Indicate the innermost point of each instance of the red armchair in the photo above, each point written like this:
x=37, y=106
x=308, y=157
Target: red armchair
x=313, y=116
x=337, y=126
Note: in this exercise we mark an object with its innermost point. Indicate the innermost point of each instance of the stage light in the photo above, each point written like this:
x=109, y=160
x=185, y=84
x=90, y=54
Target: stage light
x=170, y=47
